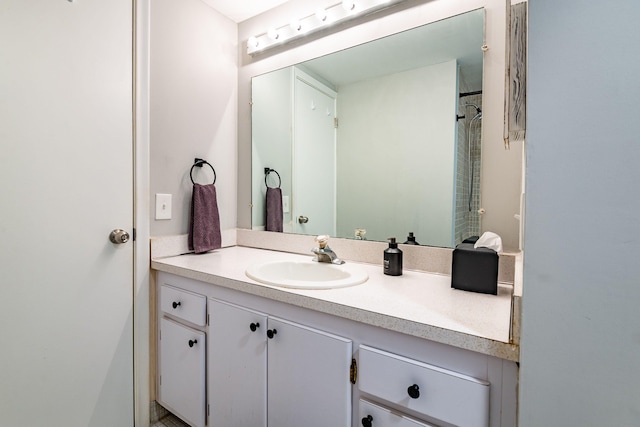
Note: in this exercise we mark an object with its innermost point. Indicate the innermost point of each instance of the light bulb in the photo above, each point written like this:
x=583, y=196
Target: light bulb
x=321, y=14
x=295, y=25
x=253, y=42
x=273, y=34
x=348, y=5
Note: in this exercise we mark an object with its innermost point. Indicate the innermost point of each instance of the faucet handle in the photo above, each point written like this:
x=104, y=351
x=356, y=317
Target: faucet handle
x=322, y=240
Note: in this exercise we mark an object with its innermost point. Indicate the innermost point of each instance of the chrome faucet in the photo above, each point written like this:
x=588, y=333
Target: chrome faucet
x=323, y=251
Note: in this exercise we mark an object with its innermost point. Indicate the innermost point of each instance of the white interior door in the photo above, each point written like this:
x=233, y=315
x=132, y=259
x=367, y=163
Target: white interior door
x=66, y=181
x=314, y=157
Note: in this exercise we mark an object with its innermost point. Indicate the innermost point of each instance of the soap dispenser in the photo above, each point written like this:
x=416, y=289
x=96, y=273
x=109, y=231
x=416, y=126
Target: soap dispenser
x=393, y=259
x=411, y=239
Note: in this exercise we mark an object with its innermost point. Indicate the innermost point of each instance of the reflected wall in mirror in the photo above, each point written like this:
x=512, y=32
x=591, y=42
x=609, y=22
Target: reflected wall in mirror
x=384, y=136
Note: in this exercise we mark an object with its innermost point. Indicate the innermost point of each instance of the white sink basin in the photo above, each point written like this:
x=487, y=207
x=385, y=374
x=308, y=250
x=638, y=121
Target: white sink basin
x=307, y=274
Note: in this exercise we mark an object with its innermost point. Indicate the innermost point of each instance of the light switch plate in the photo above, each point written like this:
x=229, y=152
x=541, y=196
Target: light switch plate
x=285, y=204
x=163, y=206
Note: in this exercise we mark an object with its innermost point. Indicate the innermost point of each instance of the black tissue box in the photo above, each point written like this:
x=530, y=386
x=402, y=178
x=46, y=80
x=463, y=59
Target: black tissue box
x=475, y=270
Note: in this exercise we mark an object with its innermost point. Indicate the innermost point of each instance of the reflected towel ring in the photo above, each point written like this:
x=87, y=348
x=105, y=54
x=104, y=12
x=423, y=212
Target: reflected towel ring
x=199, y=163
x=267, y=171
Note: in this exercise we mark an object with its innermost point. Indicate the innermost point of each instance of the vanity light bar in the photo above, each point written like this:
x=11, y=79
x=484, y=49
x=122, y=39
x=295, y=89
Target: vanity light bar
x=322, y=18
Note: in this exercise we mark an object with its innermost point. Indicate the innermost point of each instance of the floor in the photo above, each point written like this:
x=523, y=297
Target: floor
x=170, y=421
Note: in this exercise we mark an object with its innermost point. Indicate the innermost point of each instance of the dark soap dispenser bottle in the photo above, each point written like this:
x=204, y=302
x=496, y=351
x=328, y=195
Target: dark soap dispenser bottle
x=393, y=259
x=411, y=239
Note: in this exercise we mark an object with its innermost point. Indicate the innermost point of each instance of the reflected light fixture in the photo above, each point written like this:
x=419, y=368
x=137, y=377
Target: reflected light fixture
x=339, y=12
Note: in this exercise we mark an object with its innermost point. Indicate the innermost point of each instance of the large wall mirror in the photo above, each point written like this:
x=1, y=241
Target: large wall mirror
x=383, y=137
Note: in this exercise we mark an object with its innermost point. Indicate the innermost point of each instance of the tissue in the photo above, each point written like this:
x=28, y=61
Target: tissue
x=489, y=240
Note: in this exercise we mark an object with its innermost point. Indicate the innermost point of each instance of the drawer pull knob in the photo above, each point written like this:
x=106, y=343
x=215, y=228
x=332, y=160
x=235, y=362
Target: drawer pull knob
x=254, y=326
x=367, y=421
x=271, y=333
x=192, y=342
x=414, y=391
x=175, y=304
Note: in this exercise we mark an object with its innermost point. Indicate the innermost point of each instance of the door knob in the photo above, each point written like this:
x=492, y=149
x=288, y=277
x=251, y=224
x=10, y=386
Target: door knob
x=192, y=342
x=303, y=219
x=271, y=333
x=367, y=421
x=119, y=236
x=254, y=326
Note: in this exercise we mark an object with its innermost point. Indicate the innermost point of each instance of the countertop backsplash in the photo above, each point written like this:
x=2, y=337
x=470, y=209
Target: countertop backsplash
x=419, y=258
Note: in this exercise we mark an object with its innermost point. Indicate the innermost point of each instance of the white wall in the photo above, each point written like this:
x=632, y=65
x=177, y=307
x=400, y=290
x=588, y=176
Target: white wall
x=581, y=332
x=193, y=107
x=501, y=175
x=393, y=130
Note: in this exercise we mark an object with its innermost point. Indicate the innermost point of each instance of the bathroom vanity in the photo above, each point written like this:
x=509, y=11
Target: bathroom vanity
x=393, y=351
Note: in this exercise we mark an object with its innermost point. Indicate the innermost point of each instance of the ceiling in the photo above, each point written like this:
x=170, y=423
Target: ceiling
x=240, y=10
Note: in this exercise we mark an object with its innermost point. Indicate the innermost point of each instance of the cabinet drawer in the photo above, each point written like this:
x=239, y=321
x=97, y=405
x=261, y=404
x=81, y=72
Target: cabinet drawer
x=436, y=392
x=184, y=305
x=377, y=416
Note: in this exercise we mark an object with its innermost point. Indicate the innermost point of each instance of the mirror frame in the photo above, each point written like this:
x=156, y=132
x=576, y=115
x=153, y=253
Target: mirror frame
x=502, y=170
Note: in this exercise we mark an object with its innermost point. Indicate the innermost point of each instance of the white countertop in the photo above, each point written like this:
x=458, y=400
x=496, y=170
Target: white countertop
x=416, y=303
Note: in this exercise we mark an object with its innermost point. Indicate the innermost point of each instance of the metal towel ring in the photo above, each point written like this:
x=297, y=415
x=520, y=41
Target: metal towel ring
x=199, y=163
x=267, y=171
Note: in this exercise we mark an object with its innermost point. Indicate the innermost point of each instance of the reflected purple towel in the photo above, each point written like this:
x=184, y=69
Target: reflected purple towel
x=274, y=209
x=204, y=222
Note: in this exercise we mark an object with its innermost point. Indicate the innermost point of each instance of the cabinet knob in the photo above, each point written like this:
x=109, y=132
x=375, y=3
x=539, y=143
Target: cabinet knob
x=175, y=304
x=192, y=342
x=414, y=391
x=367, y=421
x=254, y=326
x=271, y=333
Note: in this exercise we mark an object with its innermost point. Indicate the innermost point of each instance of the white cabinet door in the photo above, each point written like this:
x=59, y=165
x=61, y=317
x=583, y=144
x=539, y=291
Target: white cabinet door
x=308, y=373
x=237, y=366
x=182, y=371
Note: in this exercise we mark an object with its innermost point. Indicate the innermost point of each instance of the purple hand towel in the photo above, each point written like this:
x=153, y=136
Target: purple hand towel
x=204, y=222
x=274, y=209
